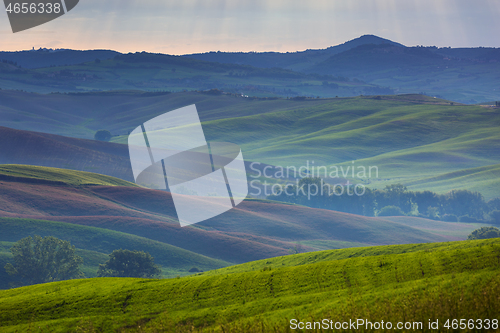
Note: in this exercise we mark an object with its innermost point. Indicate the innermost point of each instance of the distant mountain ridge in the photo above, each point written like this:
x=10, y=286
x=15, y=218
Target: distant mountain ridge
x=289, y=60
x=48, y=58
x=368, y=65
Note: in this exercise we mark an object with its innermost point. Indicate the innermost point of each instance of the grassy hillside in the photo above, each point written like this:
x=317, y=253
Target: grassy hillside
x=29, y=173
x=41, y=149
x=423, y=142
x=174, y=260
x=257, y=218
x=81, y=115
x=256, y=229
x=439, y=282
x=466, y=76
x=407, y=141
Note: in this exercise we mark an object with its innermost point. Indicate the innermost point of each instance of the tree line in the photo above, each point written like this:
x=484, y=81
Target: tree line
x=393, y=200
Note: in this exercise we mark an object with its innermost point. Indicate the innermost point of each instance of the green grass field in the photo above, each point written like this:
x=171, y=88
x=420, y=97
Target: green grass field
x=62, y=176
x=410, y=283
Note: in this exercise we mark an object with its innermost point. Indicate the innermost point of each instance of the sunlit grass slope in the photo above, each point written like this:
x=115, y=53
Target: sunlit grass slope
x=408, y=140
x=64, y=176
x=402, y=283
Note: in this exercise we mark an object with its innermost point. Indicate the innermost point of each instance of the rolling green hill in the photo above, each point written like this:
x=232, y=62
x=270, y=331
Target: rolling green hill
x=463, y=75
x=417, y=140
x=409, y=141
x=256, y=229
x=34, y=174
x=467, y=75
x=414, y=283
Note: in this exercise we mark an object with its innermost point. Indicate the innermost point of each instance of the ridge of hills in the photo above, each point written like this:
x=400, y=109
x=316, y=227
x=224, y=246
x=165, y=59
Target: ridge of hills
x=367, y=65
x=48, y=58
x=291, y=60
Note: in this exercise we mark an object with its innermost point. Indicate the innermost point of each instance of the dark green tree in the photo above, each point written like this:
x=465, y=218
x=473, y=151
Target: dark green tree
x=463, y=202
x=103, y=135
x=484, y=233
x=41, y=260
x=395, y=195
x=126, y=263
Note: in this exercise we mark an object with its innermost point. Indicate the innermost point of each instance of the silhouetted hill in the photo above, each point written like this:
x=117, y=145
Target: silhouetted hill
x=291, y=60
x=46, y=58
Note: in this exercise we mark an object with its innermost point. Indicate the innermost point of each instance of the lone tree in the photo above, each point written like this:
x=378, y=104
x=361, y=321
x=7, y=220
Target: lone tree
x=484, y=233
x=41, y=260
x=103, y=135
x=126, y=263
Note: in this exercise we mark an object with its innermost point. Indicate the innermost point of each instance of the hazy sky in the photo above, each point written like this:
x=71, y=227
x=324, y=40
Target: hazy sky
x=188, y=26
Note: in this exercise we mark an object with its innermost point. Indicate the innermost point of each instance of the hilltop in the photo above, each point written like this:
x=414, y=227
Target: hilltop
x=290, y=60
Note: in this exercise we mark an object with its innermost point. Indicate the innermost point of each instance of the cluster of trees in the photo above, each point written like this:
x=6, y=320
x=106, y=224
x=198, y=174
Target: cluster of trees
x=484, y=233
x=393, y=200
x=41, y=260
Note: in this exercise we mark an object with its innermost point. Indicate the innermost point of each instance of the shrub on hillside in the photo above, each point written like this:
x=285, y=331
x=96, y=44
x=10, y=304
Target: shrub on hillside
x=194, y=270
x=103, y=135
x=484, y=233
x=391, y=211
